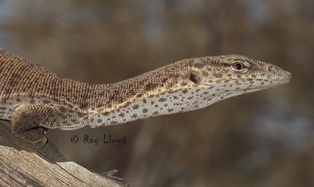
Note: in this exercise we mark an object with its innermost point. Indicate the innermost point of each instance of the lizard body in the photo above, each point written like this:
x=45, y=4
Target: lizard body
x=35, y=99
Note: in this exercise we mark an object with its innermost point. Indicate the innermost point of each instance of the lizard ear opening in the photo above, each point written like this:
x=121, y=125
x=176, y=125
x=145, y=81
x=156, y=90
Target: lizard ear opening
x=194, y=77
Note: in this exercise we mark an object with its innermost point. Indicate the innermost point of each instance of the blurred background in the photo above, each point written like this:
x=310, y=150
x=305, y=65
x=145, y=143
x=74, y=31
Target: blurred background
x=259, y=139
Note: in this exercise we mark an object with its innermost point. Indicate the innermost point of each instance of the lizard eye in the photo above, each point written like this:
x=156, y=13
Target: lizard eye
x=194, y=77
x=238, y=67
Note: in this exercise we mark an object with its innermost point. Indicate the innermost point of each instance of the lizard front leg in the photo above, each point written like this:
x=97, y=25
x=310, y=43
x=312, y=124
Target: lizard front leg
x=31, y=121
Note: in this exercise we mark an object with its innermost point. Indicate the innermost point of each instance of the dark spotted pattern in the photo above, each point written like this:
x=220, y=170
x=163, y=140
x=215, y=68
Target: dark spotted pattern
x=30, y=93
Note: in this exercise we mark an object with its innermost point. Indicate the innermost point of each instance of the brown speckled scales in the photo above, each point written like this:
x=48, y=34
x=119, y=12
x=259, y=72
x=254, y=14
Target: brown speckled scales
x=35, y=99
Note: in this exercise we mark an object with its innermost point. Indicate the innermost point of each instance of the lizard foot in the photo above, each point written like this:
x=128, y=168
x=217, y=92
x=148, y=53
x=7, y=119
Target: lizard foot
x=27, y=120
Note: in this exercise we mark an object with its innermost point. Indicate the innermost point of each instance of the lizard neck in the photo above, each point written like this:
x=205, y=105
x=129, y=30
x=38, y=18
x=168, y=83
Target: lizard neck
x=104, y=98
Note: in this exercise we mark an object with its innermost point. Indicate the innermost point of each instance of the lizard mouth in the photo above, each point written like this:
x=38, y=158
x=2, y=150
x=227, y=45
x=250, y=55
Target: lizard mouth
x=252, y=85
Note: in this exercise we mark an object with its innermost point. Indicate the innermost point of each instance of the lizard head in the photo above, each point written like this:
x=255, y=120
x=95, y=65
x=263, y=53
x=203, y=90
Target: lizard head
x=210, y=79
x=238, y=71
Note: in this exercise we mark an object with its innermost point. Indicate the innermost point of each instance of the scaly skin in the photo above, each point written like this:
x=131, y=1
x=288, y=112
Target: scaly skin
x=35, y=99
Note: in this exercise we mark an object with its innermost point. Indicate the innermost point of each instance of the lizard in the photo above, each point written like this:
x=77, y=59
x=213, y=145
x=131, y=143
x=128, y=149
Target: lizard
x=35, y=99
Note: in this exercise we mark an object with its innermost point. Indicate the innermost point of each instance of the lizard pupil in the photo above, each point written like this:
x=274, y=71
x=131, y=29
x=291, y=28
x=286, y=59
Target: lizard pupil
x=238, y=66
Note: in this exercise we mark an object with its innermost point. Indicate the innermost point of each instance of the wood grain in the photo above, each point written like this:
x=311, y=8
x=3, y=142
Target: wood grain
x=23, y=164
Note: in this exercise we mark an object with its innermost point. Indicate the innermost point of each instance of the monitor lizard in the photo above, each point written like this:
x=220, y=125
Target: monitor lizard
x=35, y=99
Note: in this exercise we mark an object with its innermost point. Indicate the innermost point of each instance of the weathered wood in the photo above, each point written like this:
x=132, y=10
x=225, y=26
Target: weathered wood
x=22, y=164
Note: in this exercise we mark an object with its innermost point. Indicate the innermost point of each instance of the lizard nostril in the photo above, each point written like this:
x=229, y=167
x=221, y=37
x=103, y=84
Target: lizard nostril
x=270, y=68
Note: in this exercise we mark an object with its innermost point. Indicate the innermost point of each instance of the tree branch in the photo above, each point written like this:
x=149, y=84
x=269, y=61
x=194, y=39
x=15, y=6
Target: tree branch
x=24, y=164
